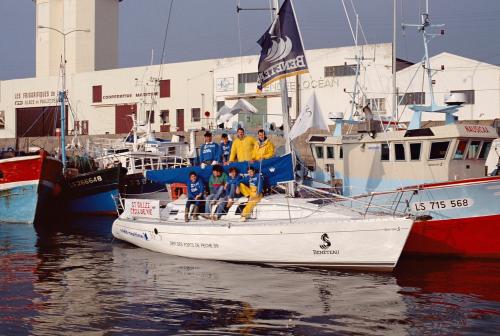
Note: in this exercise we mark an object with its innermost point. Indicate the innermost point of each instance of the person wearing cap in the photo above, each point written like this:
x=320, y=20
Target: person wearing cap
x=264, y=149
x=225, y=147
x=242, y=148
x=210, y=153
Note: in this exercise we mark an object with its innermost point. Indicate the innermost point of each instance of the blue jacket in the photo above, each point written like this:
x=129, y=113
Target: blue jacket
x=210, y=152
x=226, y=150
x=194, y=189
x=233, y=181
x=256, y=181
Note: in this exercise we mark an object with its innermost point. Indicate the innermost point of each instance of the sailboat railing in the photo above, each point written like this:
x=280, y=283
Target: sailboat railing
x=365, y=207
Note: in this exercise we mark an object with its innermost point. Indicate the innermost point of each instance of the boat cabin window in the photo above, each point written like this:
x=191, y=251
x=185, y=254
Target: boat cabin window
x=399, y=152
x=473, y=151
x=415, y=150
x=484, y=150
x=319, y=152
x=341, y=152
x=384, y=153
x=439, y=150
x=460, y=152
x=329, y=152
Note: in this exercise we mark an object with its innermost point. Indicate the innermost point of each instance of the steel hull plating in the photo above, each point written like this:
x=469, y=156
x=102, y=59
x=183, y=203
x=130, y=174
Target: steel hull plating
x=27, y=187
x=93, y=193
x=464, y=217
x=465, y=237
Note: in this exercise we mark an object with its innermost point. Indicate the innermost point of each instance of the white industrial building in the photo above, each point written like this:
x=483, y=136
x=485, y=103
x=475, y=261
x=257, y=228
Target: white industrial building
x=188, y=94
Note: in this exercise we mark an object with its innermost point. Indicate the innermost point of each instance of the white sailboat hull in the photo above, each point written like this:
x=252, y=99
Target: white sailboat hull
x=361, y=244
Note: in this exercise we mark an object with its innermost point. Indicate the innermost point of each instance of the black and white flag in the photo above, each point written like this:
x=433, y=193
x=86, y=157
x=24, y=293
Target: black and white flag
x=282, y=52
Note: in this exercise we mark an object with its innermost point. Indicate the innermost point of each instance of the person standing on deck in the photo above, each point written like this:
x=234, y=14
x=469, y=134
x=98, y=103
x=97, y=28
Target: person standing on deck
x=210, y=153
x=242, y=148
x=225, y=147
x=264, y=148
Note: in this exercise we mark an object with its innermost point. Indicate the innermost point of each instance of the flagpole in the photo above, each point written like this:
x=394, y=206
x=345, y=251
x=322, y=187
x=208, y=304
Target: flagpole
x=286, y=114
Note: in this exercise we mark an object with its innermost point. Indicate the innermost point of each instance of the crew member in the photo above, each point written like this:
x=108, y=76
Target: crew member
x=264, y=148
x=242, y=148
x=209, y=152
x=251, y=187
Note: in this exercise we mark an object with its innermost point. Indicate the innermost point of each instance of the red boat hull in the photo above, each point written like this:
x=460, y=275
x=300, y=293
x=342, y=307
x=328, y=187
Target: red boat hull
x=475, y=237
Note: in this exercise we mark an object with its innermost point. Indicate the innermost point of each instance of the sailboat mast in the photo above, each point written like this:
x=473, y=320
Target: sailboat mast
x=394, y=85
x=284, y=96
x=62, y=100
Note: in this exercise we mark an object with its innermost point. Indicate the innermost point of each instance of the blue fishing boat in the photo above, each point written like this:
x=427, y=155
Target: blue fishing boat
x=93, y=193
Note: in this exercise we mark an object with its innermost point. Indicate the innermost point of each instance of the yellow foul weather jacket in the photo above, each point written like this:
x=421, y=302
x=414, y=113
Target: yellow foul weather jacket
x=242, y=149
x=264, y=150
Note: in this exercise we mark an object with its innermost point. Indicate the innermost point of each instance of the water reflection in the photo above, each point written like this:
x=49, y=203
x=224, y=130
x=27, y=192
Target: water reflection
x=76, y=279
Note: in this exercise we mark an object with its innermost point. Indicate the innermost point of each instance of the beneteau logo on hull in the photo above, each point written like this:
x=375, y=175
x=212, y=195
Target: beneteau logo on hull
x=325, y=247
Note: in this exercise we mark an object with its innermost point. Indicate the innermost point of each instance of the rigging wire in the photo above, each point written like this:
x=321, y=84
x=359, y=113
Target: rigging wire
x=163, y=58
x=239, y=35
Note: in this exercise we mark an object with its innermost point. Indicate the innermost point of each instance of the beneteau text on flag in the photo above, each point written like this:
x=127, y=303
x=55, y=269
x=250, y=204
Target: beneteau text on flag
x=282, y=53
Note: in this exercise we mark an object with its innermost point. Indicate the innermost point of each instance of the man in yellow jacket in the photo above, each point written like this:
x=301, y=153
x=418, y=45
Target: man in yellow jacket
x=264, y=149
x=242, y=148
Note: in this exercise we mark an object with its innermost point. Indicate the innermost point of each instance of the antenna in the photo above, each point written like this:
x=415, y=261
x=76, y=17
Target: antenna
x=425, y=27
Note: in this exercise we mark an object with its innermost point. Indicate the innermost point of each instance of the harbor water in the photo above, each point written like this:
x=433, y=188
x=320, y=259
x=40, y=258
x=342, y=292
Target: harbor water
x=75, y=279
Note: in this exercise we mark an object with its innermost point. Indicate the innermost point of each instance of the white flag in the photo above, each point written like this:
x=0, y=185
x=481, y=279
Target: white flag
x=309, y=117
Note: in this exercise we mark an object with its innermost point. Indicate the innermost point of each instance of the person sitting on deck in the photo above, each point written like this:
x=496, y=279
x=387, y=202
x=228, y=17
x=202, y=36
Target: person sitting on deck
x=242, y=148
x=216, y=185
x=264, y=148
x=209, y=152
x=232, y=191
x=225, y=147
x=195, y=190
x=251, y=187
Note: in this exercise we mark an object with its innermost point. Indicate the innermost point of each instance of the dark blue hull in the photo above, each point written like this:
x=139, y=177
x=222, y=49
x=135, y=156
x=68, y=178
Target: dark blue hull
x=93, y=193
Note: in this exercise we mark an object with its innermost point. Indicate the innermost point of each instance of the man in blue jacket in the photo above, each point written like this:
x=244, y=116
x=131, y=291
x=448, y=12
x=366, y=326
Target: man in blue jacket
x=225, y=146
x=210, y=153
x=195, y=189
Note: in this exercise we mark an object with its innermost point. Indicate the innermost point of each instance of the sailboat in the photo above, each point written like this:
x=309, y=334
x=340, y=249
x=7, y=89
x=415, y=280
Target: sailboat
x=435, y=173
x=282, y=229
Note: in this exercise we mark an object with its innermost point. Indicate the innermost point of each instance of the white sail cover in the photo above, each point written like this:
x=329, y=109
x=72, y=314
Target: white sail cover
x=309, y=117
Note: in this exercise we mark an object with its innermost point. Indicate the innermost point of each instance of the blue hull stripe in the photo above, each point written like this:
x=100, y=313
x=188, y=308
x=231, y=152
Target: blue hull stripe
x=94, y=204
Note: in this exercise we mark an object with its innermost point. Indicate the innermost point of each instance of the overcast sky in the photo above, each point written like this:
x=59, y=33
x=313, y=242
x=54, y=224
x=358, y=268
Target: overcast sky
x=209, y=28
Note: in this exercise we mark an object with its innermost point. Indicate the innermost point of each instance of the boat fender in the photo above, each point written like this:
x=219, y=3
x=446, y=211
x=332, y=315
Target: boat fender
x=423, y=218
x=156, y=231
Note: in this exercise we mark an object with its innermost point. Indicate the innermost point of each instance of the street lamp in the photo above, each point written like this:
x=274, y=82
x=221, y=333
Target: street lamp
x=62, y=92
